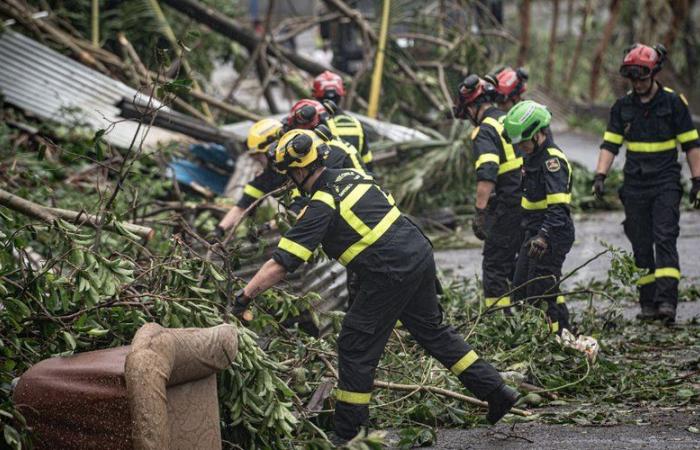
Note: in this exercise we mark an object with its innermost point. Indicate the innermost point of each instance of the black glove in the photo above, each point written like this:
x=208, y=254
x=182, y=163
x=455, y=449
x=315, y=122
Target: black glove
x=599, y=185
x=240, y=307
x=478, y=223
x=538, y=246
x=695, y=193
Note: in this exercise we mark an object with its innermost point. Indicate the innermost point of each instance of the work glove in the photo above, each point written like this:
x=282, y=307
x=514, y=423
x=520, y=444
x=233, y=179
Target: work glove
x=599, y=185
x=538, y=247
x=478, y=223
x=695, y=193
x=240, y=307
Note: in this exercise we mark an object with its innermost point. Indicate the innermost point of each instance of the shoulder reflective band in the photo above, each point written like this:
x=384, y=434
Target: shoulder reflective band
x=554, y=326
x=668, y=272
x=559, y=154
x=651, y=147
x=352, y=154
x=367, y=157
x=486, y=158
x=354, y=398
x=324, y=197
x=254, y=192
x=496, y=301
x=464, y=363
x=371, y=237
x=295, y=249
x=687, y=136
x=511, y=162
x=560, y=300
x=613, y=138
x=646, y=279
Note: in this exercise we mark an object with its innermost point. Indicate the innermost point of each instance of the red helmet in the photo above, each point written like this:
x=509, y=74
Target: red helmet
x=473, y=90
x=328, y=85
x=306, y=114
x=510, y=83
x=642, y=61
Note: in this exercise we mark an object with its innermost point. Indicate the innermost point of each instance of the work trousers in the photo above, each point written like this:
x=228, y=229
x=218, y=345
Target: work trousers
x=651, y=225
x=545, y=274
x=503, y=239
x=366, y=329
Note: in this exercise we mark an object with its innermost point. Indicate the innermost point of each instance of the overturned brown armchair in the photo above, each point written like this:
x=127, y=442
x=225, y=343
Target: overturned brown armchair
x=159, y=393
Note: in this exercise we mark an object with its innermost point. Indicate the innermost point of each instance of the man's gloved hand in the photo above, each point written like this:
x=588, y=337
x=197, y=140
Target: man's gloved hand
x=240, y=307
x=599, y=185
x=695, y=193
x=538, y=246
x=478, y=223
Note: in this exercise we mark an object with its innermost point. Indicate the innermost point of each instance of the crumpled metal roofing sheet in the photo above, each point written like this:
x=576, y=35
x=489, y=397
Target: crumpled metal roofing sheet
x=52, y=86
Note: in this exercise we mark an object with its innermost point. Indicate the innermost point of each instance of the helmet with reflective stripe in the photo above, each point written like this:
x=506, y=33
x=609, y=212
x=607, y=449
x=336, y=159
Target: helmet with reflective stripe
x=328, y=85
x=524, y=120
x=642, y=61
x=509, y=82
x=472, y=91
x=306, y=114
x=263, y=133
x=297, y=148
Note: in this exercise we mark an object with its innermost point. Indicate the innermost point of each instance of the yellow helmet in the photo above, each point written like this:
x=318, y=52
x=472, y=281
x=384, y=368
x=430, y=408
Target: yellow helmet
x=298, y=148
x=263, y=133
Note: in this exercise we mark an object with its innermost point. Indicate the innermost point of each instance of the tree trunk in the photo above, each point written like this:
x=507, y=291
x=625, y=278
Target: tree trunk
x=579, y=45
x=231, y=28
x=681, y=13
x=524, y=32
x=552, y=46
x=615, y=6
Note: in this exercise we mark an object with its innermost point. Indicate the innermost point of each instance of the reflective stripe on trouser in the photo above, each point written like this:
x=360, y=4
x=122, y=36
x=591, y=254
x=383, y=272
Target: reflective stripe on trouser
x=651, y=225
x=504, y=236
x=368, y=325
x=548, y=270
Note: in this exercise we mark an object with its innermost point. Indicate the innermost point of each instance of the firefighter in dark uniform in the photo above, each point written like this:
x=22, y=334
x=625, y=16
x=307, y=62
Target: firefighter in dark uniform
x=510, y=84
x=262, y=135
x=651, y=120
x=497, y=165
x=329, y=86
x=549, y=230
x=359, y=225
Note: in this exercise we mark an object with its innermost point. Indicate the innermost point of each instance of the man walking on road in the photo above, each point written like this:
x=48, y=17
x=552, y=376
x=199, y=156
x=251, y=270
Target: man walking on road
x=651, y=120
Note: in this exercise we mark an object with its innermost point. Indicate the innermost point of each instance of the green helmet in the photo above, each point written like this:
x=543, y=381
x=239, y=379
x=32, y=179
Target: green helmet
x=524, y=120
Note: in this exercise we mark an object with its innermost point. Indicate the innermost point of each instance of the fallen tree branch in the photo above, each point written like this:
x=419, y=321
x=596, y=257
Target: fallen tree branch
x=50, y=215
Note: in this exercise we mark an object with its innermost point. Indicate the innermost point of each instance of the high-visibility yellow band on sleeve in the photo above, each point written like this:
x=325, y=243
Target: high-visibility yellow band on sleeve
x=295, y=249
x=554, y=327
x=496, y=301
x=355, y=398
x=513, y=164
x=687, y=136
x=367, y=157
x=254, y=192
x=646, y=279
x=486, y=158
x=613, y=138
x=668, y=272
x=324, y=197
x=562, y=197
x=464, y=363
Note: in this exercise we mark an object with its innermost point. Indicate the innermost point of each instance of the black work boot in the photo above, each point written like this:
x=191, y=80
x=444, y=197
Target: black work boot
x=500, y=401
x=648, y=313
x=667, y=313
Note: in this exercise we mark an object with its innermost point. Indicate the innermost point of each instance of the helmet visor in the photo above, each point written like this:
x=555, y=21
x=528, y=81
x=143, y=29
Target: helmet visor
x=635, y=72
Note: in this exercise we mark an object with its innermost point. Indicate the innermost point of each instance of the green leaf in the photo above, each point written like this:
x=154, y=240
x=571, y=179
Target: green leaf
x=70, y=340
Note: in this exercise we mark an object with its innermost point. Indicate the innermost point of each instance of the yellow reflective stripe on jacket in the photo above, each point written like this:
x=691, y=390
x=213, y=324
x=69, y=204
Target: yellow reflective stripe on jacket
x=511, y=162
x=646, y=279
x=295, y=249
x=651, y=147
x=554, y=327
x=561, y=300
x=614, y=138
x=552, y=199
x=486, y=158
x=351, y=152
x=464, y=363
x=355, y=398
x=497, y=301
x=324, y=197
x=527, y=204
x=367, y=157
x=371, y=237
x=251, y=190
x=667, y=272
x=687, y=136
x=348, y=126
x=562, y=197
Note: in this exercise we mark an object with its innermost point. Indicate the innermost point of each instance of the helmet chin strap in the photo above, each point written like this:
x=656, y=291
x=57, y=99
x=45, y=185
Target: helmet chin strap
x=300, y=185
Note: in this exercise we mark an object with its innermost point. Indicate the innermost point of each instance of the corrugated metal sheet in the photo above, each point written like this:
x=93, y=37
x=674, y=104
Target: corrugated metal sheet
x=52, y=86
